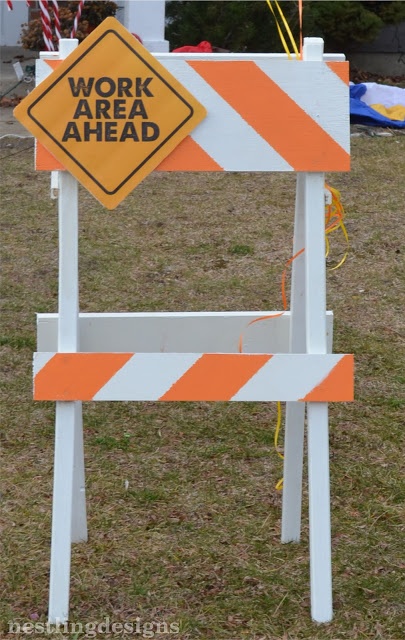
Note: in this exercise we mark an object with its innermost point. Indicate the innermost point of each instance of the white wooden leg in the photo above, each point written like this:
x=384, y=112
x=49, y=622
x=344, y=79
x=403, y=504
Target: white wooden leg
x=68, y=418
x=319, y=512
x=292, y=480
x=79, y=519
x=62, y=512
x=295, y=411
x=317, y=413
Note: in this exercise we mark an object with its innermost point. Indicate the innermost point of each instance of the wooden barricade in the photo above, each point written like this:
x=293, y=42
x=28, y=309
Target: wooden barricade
x=264, y=113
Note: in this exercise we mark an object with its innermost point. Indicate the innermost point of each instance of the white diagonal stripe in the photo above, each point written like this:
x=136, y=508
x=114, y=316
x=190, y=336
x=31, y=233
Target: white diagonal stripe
x=287, y=377
x=146, y=376
x=321, y=95
x=41, y=358
x=224, y=134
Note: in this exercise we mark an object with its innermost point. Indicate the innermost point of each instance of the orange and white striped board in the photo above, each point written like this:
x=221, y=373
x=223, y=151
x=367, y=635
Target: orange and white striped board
x=193, y=377
x=264, y=114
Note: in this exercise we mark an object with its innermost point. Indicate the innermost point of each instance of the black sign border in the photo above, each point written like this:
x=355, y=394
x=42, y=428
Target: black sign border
x=68, y=70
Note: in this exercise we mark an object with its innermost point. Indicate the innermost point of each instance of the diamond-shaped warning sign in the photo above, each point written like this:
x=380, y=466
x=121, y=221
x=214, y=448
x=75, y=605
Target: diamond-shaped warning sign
x=110, y=112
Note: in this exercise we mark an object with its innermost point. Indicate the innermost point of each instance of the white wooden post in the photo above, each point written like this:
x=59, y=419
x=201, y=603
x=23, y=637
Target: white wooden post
x=317, y=413
x=10, y=23
x=295, y=411
x=79, y=514
x=69, y=460
x=146, y=18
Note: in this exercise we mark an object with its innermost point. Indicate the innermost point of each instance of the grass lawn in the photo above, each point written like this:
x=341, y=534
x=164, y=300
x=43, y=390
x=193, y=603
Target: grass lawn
x=184, y=516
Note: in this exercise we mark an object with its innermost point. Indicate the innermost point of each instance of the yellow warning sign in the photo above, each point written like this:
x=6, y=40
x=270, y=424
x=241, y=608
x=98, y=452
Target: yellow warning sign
x=110, y=112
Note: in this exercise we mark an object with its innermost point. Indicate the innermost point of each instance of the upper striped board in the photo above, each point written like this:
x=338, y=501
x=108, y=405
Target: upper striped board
x=264, y=114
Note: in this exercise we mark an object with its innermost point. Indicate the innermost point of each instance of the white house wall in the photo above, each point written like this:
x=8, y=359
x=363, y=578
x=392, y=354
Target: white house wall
x=144, y=17
x=11, y=21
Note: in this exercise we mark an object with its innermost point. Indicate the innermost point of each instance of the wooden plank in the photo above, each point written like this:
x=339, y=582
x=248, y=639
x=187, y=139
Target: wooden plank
x=193, y=377
x=200, y=332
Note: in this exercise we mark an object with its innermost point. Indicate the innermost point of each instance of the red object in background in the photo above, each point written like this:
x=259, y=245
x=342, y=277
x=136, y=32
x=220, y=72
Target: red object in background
x=203, y=47
x=138, y=37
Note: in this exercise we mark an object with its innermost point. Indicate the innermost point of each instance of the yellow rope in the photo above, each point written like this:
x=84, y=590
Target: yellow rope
x=334, y=215
x=334, y=220
x=287, y=28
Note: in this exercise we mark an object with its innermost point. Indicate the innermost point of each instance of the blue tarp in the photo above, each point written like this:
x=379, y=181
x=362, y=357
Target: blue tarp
x=361, y=113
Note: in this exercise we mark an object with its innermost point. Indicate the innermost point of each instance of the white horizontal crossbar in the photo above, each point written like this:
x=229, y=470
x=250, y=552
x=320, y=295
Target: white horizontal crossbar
x=183, y=332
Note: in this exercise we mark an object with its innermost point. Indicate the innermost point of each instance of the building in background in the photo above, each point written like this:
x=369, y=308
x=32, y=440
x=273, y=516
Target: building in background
x=385, y=55
x=146, y=18
x=11, y=21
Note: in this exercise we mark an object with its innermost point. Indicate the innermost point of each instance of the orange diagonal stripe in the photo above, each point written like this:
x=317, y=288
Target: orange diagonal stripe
x=274, y=115
x=45, y=161
x=54, y=64
x=338, y=386
x=189, y=156
x=216, y=376
x=341, y=69
x=77, y=376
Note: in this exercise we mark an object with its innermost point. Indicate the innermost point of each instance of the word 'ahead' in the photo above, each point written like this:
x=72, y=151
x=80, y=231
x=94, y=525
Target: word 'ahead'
x=110, y=113
x=114, y=119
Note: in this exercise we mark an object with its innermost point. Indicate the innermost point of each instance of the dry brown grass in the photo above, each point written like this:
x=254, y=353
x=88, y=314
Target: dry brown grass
x=195, y=538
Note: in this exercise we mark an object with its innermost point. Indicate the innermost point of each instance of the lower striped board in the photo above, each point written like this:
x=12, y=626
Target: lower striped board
x=193, y=377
